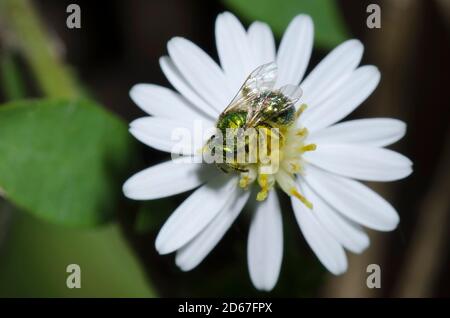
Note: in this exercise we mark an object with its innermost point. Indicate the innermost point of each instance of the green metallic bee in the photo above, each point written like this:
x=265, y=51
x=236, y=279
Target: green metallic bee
x=257, y=105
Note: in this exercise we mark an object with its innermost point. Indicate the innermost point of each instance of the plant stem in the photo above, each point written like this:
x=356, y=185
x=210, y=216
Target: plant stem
x=34, y=42
x=12, y=84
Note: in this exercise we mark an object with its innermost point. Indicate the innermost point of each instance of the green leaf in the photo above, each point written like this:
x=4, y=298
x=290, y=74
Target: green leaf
x=63, y=161
x=36, y=254
x=329, y=27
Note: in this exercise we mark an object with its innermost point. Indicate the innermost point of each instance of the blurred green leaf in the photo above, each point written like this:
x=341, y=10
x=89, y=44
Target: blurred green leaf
x=329, y=27
x=34, y=261
x=63, y=161
x=152, y=214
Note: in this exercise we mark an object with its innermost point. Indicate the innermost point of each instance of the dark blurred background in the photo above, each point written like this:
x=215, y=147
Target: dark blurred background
x=119, y=45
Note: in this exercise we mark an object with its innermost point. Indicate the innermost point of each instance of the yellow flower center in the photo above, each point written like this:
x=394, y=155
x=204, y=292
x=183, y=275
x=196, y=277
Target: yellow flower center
x=286, y=158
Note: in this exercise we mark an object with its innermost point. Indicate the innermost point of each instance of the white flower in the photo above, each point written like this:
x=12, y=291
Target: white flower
x=325, y=177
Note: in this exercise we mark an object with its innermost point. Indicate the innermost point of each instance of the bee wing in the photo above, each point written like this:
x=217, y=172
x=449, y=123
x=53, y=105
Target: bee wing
x=262, y=78
x=292, y=92
x=241, y=102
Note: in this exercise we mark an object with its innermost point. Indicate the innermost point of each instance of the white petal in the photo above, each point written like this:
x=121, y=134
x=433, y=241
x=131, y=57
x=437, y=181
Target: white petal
x=361, y=162
x=375, y=132
x=234, y=50
x=160, y=133
x=168, y=135
x=353, y=199
x=194, y=252
x=200, y=71
x=355, y=89
x=327, y=249
x=166, y=179
x=177, y=80
x=265, y=244
x=163, y=102
x=262, y=43
x=351, y=236
x=330, y=73
x=194, y=214
x=295, y=51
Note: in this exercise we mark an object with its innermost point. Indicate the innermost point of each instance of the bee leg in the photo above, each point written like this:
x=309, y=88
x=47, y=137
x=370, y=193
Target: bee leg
x=223, y=167
x=241, y=169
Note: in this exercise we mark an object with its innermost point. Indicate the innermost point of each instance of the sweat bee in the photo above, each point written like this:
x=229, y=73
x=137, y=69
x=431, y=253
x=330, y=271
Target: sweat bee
x=256, y=105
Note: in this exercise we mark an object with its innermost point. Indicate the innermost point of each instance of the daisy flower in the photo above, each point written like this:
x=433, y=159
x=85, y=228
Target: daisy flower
x=322, y=163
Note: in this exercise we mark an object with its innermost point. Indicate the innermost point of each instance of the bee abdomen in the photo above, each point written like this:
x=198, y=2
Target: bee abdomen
x=286, y=118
